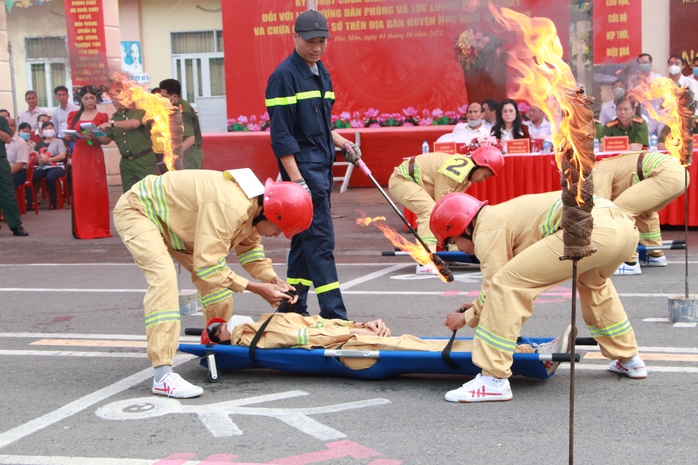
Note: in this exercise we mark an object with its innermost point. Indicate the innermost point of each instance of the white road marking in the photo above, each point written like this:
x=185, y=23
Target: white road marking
x=78, y=405
x=55, y=460
x=650, y=368
x=72, y=353
x=123, y=337
x=372, y=276
x=351, y=283
x=216, y=416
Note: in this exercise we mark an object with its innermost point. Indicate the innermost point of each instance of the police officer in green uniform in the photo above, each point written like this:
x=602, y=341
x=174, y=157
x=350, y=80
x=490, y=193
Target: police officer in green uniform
x=191, y=147
x=627, y=124
x=132, y=136
x=8, y=203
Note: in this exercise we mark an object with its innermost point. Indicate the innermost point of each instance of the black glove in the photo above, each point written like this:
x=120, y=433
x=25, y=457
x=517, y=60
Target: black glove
x=302, y=183
x=351, y=152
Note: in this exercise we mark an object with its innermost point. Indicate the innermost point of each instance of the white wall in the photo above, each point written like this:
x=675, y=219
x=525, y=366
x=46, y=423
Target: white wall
x=655, y=33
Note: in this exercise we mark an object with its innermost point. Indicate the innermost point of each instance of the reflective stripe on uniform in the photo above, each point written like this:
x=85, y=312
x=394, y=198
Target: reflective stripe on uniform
x=481, y=298
x=252, y=255
x=491, y=339
x=161, y=316
x=302, y=337
x=293, y=99
x=156, y=209
x=320, y=324
x=611, y=331
x=327, y=287
x=204, y=273
x=651, y=235
x=404, y=169
x=650, y=162
x=552, y=219
x=218, y=296
x=304, y=282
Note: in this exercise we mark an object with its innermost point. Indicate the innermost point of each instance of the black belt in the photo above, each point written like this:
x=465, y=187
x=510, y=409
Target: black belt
x=138, y=155
x=640, y=174
x=410, y=170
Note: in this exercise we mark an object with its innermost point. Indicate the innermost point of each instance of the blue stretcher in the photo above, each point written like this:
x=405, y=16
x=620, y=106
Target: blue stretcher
x=389, y=363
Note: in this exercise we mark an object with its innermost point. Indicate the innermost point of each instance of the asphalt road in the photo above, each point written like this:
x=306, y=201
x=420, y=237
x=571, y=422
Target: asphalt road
x=76, y=382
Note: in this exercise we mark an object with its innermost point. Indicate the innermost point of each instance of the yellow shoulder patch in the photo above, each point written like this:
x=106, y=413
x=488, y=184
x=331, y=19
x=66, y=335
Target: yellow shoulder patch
x=610, y=124
x=638, y=119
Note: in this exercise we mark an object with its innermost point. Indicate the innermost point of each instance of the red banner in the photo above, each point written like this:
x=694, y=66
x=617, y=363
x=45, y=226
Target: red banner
x=384, y=54
x=617, y=31
x=86, y=42
x=682, y=18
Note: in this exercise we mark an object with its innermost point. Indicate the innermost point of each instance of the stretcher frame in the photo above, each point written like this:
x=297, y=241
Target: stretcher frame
x=389, y=363
x=467, y=259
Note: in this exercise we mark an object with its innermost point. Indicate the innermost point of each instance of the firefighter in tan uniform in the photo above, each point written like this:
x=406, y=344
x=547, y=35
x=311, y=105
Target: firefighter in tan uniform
x=641, y=184
x=420, y=181
x=519, y=244
x=197, y=218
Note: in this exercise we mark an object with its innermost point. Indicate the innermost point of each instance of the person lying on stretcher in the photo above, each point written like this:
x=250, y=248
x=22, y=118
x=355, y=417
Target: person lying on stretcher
x=292, y=330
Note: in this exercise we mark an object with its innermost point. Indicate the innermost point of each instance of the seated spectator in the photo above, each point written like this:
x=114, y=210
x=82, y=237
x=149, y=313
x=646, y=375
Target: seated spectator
x=17, y=155
x=475, y=127
x=25, y=132
x=36, y=136
x=509, y=124
x=676, y=66
x=608, y=110
x=628, y=124
x=538, y=126
x=51, y=162
x=490, y=108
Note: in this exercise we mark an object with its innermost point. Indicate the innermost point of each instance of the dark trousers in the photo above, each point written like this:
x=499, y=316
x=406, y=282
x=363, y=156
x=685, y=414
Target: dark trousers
x=8, y=202
x=50, y=174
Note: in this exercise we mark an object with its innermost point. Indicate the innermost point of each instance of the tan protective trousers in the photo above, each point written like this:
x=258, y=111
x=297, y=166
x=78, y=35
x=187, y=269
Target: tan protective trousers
x=153, y=254
x=418, y=201
x=538, y=268
x=643, y=200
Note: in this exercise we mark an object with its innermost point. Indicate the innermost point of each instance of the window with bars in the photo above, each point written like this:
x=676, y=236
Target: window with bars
x=197, y=63
x=47, y=67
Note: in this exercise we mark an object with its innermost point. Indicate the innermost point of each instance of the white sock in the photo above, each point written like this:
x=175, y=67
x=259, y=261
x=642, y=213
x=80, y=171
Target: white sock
x=161, y=372
x=635, y=360
x=492, y=381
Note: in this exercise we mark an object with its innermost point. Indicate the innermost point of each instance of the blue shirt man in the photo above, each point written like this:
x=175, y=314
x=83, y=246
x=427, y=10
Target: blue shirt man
x=299, y=98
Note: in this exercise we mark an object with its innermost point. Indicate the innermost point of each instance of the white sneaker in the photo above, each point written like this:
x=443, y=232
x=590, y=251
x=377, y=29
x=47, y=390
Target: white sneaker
x=173, y=385
x=477, y=391
x=628, y=269
x=634, y=369
x=653, y=261
x=425, y=270
x=559, y=345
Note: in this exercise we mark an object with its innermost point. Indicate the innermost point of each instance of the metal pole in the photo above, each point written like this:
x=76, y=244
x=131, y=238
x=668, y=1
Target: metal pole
x=367, y=172
x=573, y=337
x=685, y=222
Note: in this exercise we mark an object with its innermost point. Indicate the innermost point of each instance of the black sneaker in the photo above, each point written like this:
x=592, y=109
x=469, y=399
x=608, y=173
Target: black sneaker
x=19, y=231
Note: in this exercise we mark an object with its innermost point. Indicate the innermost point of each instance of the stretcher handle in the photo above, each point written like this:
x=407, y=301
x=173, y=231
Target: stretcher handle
x=193, y=331
x=559, y=358
x=585, y=341
x=352, y=353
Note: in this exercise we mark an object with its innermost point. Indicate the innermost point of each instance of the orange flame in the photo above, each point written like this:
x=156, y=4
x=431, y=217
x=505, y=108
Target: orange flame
x=669, y=112
x=545, y=79
x=157, y=109
x=416, y=251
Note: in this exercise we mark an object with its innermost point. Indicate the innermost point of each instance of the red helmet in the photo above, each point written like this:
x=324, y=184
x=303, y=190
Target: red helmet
x=210, y=326
x=287, y=205
x=490, y=157
x=452, y=214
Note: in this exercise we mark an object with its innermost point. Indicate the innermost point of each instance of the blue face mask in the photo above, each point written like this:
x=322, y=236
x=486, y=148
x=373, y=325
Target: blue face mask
x=24, y=135
x=645, y=67
x=695, y=71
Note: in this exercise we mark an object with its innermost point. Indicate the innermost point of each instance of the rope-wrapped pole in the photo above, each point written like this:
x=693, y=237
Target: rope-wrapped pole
x=177, y=135
x=576, y=160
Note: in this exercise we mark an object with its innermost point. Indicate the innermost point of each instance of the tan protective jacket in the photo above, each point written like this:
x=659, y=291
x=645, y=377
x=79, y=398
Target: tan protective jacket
x=439, y=173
